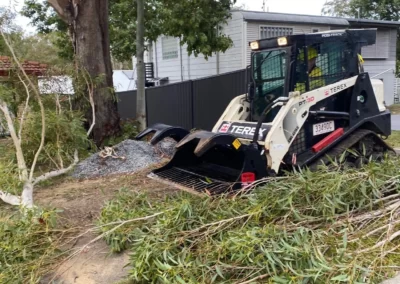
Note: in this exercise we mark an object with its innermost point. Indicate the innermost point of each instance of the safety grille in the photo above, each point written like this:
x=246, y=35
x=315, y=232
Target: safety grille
x=322, y=64
x=299, y=143
x=192, y=181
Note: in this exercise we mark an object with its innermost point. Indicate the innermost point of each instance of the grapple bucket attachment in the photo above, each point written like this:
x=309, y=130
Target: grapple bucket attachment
x=162, y=131
x=211, y=163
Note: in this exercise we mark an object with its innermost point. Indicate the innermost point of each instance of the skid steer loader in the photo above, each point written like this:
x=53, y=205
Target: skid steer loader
x=308, y=99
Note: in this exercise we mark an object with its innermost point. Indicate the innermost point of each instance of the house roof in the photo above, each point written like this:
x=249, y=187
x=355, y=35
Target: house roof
x=311, y=19
x=30, y=67
x=365, y=22
x=293, y=18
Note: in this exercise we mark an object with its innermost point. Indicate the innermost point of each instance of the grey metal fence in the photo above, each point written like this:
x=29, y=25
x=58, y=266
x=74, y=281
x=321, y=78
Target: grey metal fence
x=190, y=104
x=212, y=95
x=127, y=104
x=170, y=104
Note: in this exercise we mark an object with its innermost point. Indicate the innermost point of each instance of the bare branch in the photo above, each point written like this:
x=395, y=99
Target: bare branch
x=19, y=63
x=17, y=142
x=255, y=279
x=51, y=159
x=381, y=243
x=91, y=100
x=57, y=172
x=58, y=151
x=219, y=223
x=9, y=198
x=35, y=90
x=43, y=134
x=375, y=231
x=25, y=108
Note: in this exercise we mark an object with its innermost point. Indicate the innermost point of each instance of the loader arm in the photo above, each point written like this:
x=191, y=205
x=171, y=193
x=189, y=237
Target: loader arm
x=292, y=117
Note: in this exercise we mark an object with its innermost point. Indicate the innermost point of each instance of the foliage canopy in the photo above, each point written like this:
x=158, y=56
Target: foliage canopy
x=197, y=23
x=388, y=10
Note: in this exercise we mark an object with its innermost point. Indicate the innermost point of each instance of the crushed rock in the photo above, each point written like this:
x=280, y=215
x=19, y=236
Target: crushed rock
x=133, y=156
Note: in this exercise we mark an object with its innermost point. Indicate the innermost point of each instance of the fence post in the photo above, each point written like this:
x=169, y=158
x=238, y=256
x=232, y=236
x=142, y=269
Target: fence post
x=146, y=107
x=192, y=104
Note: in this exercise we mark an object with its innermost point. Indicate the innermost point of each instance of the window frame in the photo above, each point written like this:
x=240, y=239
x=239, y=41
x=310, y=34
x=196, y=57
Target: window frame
x=273, y=26
x=162, y=48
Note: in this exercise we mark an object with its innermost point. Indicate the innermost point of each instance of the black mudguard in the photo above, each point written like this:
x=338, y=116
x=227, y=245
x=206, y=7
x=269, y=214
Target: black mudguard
x=162, y=131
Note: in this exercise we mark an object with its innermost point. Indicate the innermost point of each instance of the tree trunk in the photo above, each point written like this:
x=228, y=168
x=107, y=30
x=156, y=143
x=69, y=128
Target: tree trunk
x=89, y=26
x=141, y=100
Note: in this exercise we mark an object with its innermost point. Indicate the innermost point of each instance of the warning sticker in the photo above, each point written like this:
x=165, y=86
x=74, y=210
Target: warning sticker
x=236, y=144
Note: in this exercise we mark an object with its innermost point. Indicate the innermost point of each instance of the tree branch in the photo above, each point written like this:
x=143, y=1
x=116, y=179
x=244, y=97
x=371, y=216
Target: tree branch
x=36, y=91
x=61, y=8
x=91, y=100
x=17, y=142
x=25, y=108
x=381, y=243
x=255, y=279
x=57, y=173
x=43, y=134
x=10, y=198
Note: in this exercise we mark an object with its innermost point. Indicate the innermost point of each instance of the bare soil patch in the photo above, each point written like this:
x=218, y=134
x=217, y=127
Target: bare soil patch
x=81, y=202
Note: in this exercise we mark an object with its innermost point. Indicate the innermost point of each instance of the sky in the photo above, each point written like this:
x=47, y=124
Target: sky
x=308, y=7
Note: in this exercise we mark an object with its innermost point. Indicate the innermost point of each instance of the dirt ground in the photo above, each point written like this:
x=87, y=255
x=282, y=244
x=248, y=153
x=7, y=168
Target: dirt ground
x=81, y=202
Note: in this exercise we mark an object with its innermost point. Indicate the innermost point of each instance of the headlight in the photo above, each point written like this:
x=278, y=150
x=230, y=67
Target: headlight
x=282, y=41
x=254, y=45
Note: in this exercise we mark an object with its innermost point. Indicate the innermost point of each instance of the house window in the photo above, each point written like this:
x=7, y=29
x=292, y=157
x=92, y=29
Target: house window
x=169, y=47
x=381, y=48
x=267, y=32
x=314, y=30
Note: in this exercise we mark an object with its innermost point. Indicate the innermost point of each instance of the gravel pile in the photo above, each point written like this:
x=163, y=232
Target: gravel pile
x=133, y=156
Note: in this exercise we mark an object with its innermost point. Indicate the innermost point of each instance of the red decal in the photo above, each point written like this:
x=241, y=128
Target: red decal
x=327, y=93
x=224, y=128
x=309, y=100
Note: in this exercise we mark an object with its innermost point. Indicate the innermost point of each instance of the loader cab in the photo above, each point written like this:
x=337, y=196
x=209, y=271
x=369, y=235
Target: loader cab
x=302, y=63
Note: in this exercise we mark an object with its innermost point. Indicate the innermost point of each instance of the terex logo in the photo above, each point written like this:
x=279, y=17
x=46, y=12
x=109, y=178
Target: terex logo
x=242, y=130
x=224, y=128
x=338, y=88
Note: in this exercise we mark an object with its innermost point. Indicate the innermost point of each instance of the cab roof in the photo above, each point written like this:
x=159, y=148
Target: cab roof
x=362, y=37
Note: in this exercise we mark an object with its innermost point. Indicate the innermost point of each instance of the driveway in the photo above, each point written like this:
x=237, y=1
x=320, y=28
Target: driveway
x=395, y=122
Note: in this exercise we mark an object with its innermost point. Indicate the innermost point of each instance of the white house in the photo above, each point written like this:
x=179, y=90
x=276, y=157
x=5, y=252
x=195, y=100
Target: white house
x=172, y=61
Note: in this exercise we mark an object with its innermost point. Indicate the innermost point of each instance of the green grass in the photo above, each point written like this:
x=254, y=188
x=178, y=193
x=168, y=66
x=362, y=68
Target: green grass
x=28, y=245
x=307, y=227
x=394, y=139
